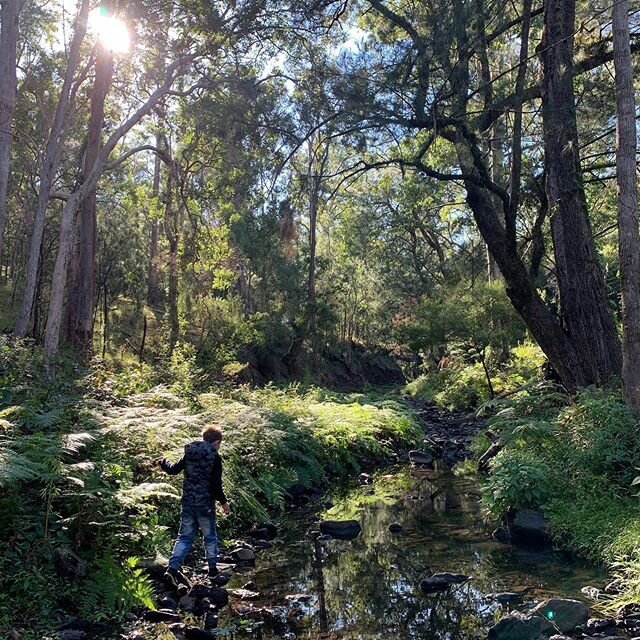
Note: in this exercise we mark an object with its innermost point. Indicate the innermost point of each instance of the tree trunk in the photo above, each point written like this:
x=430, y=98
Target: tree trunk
x=544, y=326
x=82, y=279
x=585, y=310
x=153, y=278
x=54, y=318
x=9, y=17
x=628, y=235
x=48, y=169
x=172, y=233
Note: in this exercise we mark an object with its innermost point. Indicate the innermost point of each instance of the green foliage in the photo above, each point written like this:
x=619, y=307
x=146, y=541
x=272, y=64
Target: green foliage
x=114, y=588
x=517, y=480
x=461, y=384
x=575, y=458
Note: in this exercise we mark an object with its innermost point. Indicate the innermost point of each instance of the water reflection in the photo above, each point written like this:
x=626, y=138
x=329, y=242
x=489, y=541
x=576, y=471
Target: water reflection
x=368, y=588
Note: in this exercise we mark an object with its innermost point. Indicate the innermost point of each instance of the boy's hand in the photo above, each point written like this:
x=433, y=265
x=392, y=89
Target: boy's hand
x=226, y=508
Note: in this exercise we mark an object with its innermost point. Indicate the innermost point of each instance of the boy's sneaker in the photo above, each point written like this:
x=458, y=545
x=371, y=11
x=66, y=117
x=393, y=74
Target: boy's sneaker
x=172, y=576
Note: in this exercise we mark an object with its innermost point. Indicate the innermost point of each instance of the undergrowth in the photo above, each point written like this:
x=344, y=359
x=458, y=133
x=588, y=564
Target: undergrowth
x=78, y=471
x=576, y=459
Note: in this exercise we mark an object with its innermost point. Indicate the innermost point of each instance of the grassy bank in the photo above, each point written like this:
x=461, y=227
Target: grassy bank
x=77, y=471
x=576, y=459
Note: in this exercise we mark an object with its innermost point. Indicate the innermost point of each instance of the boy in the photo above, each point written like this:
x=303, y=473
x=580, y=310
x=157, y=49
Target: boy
x=201, y=487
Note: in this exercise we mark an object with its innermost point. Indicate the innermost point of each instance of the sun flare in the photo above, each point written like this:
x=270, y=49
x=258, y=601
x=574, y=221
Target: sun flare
x=111, y=31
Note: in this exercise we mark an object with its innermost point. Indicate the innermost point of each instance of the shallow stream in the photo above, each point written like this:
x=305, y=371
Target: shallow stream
x=369, y=587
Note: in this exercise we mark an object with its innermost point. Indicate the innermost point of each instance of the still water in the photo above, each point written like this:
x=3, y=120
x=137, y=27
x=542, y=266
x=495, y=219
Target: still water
x=369, y=587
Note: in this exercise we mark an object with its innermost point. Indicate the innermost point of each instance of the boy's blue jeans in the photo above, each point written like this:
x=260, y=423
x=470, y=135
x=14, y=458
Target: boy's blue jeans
x=192, y=518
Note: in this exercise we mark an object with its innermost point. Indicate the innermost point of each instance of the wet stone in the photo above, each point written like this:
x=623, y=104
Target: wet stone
x=188, y=603
x=565, y=614
x=595, y=625
x=194, y=633
x=161, y=616
x=434, y=585
x=341, y=529
x=505, y=597
x=242, y=554
x=244, y=594
x=518, y=626
x=395, y=527
x=451, y=578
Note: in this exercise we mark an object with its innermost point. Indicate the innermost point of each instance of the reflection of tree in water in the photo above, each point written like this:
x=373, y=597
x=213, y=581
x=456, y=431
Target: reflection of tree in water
x=369, y=587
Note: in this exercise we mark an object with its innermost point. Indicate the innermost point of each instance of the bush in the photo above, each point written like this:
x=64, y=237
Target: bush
x=576, y=459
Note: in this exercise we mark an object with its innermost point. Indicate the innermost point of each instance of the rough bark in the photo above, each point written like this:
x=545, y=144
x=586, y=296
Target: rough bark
x=82, y=295
x=544, y=326
x=48, y=169
x=628, y=234
x=585, y=310
x=9, y=16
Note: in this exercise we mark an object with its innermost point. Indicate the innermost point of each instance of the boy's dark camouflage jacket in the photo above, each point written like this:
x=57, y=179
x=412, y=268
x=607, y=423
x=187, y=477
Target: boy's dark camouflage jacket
x=202, y=468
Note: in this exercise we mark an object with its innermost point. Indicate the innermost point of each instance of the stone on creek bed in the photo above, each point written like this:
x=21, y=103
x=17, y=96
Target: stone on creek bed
x=421, y=458
x=566, y=615
x=245, y=594
x=518, y=626
x=341, y=529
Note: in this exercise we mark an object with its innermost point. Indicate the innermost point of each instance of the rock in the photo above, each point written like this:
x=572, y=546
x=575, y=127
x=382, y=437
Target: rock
x=167, y=602
x=188, y=603
x=630, y=610
x=591, y=592
x=263, y=544
x=266, y=531
x=193, y=633
x=131, y=617
x=529, y=526
x=614, y=587
x=298, y=597
x=218, y=597
x=395, y=527
x=434, y=585
x=73, y=634
x=421, y=458
x=501, y=534
x=323, y=537
x=597, y=625
x=161, y=615
x=559, y=637
x=243, y=555
x=155, y=567
x=221, y=579
x=296, y=490
x=69, y=564
x=365, y=478
x=211, y=620
x=451, y=578
x=506, y=597
x=341, y=529
x=244, y=594
x=251, y=585
x=566, y=615
x=518, y=626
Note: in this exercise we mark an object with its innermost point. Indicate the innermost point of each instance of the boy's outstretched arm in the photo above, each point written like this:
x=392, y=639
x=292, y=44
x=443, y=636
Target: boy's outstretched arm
x=172, y=468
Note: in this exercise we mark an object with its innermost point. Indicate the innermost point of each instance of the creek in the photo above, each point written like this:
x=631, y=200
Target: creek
x=369, y=587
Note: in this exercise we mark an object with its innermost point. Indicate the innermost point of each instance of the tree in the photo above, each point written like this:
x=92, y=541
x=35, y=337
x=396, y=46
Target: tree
x=82, y=277
x=9, y=24
x=628, y=234
x=49, y=165
x=584, y=307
